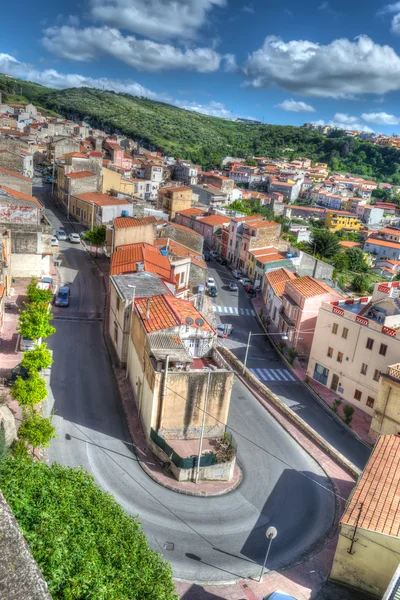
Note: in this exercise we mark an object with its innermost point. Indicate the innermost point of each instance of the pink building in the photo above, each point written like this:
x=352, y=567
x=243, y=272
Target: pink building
x=208, y=226
x=188, y=216
x=117, y=155
x=301, y=302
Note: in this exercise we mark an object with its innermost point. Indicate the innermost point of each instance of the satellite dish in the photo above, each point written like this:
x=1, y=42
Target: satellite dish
x=199, y=322
x=189, y=321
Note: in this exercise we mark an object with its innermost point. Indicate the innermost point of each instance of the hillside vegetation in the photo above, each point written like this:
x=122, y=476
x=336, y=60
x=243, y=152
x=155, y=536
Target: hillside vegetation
x=204, y=139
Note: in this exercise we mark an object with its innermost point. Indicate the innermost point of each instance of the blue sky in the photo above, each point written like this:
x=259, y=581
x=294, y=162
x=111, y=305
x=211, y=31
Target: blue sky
x=281, y=61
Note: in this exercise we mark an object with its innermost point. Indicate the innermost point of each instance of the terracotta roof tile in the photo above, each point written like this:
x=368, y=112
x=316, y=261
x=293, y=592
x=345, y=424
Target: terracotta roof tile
x=75, y=155
x=180, y=250
x=166, y=312
x=389, y=231
x=277, y=280
x=214, y=220
x=188, y=212
x=125, y=258
x=80, y=175
x=100, y=199
x=378, y=490
x=7, y=172
x=384, y=243
x=122, y=222
x=15, y=194
x=308, y=287
x=348, y=244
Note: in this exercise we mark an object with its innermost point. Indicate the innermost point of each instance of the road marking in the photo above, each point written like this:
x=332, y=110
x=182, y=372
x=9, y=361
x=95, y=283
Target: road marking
x=233, y=310
x=273, y=375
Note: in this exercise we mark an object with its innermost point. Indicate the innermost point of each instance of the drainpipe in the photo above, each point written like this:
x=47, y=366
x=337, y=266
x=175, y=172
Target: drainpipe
x=163, y=394
x=384, y=408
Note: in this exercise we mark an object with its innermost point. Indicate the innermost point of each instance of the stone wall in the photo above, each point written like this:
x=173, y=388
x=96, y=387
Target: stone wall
x=309, y=265
x=19, y=184
x=84, y=184
x=187, y=238
x=268, y=236
x=11, y=161
x=197, y=275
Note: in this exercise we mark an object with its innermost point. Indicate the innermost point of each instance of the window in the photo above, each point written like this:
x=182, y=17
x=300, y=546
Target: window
x=274, y=315
x=377, y=375
x=370, y=402
x=345, y=332
x=330, y=352
x=364, y=369
x=335, y=328
x=383, y=349
x=116, y=333
x=321, y=373
x=117, y=303
x=370, y=343
x=357, y=395
x=182, y=275
x=340, y=357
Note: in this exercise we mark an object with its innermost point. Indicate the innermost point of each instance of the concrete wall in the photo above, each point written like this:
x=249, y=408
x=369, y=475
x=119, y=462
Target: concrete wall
x=30, y=265
x=371, y=567
x=12, y=162
x=111, y=180
x=190, y=239
x=19, y=184
x=197, y=275
x=119, y=324
x=386, y=419
x=308, y=265
x=133, y=235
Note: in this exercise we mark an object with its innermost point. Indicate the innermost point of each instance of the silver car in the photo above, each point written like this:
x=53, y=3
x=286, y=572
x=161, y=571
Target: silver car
x=74, y=238
x=61, y=235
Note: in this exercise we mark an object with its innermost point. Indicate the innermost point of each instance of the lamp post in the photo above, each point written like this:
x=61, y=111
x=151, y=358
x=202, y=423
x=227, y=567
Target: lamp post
x=270, y=534
x=202, y=428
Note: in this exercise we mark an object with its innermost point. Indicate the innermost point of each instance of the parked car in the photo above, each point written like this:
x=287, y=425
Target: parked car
x=224, y=262
x=27, y=344
x=48, y=180
x=74, y=238
x=61, y=235
x=63, y=296
x=245, y=281
x=224, y=329
x=46, y=283
x=214, y=253
x=210, y=282
x=18, y=371
x=237, y=273
x=219, y=259
x=54, y=241
x=212, y=291
x=251, y=290
x=206, y=257
x=233, y=286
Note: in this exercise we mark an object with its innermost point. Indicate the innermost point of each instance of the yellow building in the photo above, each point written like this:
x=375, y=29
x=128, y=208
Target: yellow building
x=335, y=221
x=386, y=419
x=175, y=199
x=368, y=549
x=111, y=180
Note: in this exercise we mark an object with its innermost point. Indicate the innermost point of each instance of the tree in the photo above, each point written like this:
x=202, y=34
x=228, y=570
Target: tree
x=348, y=412
x=356, y=259
x=96, y=236
x=250, y=162
x=37, y=295
x=360, y=283
x=85, y=544
x=342, y=281
x=38, y=358
x=341, y=261
x=34, y=321
x=36, y=430
x=324, y=243
x=29, y=392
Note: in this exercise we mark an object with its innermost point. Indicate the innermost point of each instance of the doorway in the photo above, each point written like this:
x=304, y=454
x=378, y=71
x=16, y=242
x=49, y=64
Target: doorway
x=335, y=383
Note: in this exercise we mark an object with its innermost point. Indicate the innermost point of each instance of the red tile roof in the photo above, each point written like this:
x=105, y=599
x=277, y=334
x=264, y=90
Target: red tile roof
x=181, y=250
x=271, y=257
x=125, y=258
x=98, y=154
x=100, y=199
x=15, y=194
x=389, y=231
x=166, y=312
x=80, y=175
x=7, y=172
x=214, y=220
x=384, y=243
x=188, y=212
x=348, y=244
x=277, y=280
x=122, y=222
x=260, y=224
x=75, y=155
x=309, y=287
x=378, y=490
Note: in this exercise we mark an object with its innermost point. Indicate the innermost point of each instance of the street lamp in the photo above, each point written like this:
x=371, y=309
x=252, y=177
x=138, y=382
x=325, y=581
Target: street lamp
x=270, y=534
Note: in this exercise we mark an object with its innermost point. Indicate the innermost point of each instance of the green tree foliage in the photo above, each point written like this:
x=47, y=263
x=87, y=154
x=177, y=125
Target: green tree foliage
x=36, y=295
x=324, y=243
x=29, y=392
x=342, y=281
x=96, y=236
x=250, y=162
x=348, y=412
x=38, y=358
x=341, y=261
x=360, y=284
x=36, y=430
x=34, y=321
x=87, y=547
x=356, y=259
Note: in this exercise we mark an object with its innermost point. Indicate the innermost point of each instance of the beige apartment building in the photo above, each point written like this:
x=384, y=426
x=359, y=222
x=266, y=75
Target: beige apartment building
x=174, y=199
x=354, y=342
x=386, y=419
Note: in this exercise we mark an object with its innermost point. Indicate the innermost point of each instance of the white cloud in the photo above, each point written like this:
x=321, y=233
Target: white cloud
x=249, y=9
x=92, y=42
x=341, y=69
x=345, y=121
x=390, y=9
x=381, y=118
x=395, y=28
x=293, y=106
x=156, y=19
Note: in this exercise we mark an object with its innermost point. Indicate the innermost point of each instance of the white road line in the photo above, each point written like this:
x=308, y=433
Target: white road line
x=259, y=374
x=272, y=375
x=283, y=375
x=230, y=309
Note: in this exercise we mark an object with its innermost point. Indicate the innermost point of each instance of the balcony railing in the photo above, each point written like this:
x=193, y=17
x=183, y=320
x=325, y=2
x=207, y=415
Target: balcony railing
x=394, y=371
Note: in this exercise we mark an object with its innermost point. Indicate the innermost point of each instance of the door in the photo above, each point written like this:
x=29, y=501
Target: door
x=334, y=383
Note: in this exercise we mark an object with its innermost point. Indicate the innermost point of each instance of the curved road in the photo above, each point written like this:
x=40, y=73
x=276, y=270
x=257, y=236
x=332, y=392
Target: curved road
x=205, y=539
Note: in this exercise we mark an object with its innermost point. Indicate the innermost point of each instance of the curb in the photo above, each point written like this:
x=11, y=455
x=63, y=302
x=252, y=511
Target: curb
x=315, y=394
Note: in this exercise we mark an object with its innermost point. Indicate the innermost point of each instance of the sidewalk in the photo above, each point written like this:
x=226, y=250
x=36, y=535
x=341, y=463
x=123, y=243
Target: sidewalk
x=360, y=423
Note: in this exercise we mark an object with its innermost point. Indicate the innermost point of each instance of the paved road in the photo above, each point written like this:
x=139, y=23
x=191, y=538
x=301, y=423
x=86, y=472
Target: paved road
x=213, y=539
x=271, y=370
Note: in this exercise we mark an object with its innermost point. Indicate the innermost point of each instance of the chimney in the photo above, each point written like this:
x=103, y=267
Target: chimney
x=148, y=309
x=139, y=266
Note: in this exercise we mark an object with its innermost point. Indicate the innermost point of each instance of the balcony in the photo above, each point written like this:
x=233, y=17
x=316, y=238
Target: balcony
x=394, y=371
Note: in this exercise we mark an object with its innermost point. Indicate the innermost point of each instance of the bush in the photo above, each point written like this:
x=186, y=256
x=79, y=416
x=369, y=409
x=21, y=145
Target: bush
x=348, y=412
x=360, y=284
x=34, y=321
x=30, y=391
x=19, y=449
x=38, y=358
x=87, y=547
x=35, y=295
x=36, y=430
x=292, y=354
x=336, y=404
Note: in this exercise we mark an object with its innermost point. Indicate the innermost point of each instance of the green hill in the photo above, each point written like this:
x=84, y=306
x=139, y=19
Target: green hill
x=203, y=139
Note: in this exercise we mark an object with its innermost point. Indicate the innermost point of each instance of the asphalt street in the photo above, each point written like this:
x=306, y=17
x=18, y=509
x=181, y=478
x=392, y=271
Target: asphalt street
x=205, y=539
x=267, y=365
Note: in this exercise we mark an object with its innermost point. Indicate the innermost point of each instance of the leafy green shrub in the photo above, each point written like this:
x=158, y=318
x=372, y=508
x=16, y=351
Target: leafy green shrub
x=335, y=405
x=36, y=430
x=20, y=450
x=38, y=358
x=87, y=547
x=348, y=412
x=361, y=283
x=29, y=392
x=34, y=321
x=35, y=295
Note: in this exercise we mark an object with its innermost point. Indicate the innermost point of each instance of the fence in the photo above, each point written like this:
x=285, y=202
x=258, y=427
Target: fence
x=182, y=463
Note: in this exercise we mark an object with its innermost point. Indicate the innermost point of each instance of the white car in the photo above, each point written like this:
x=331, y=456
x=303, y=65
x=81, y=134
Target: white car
x=27, y=344
x=74, y=238
x=211, y=282
x=245, y=281
x=61, y=235
x=54, y=241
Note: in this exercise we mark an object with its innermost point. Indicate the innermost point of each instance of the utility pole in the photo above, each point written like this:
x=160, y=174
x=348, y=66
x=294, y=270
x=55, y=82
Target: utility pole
x=247, y=352
x=202, y=428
